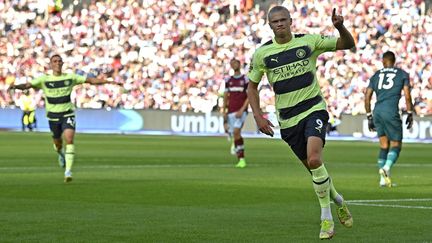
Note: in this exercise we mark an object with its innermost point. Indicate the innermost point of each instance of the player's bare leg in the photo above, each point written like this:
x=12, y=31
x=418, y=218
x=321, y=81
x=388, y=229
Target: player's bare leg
x=392, y=156
x=394, y=148
x=239, y=147
x=69, y=153
x=321, y=184
x=58, y=147
x=342, y=211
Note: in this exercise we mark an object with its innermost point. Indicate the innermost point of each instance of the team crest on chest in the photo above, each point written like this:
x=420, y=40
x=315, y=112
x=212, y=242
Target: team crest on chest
x=300, y=53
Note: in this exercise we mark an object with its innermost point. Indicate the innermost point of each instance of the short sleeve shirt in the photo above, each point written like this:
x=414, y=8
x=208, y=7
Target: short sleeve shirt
x=291, y=69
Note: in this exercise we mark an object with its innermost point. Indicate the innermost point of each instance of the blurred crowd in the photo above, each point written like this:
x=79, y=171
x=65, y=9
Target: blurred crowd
x=174, y=54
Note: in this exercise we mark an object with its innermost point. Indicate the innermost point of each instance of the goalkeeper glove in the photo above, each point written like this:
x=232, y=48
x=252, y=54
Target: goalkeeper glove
x=371, y=124
x=409, y=120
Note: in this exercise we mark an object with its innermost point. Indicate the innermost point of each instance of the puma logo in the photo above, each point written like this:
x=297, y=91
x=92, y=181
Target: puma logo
x=274, y=60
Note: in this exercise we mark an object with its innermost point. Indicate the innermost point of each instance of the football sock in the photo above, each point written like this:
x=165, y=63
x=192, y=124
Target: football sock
x=69, y=156
x=26, y=120
x=321, y=184
x=326, y=213
x=239, y=147
x=32, y=117
x=392, y=156
x=337, y=198
x=382, y=157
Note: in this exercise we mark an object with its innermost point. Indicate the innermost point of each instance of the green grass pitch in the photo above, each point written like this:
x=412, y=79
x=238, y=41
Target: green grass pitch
x=131, y=188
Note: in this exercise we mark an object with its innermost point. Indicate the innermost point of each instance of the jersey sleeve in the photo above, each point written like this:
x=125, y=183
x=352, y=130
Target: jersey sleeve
x=406, y=81
x=256, y=69
x=78, y=79
x=325, y=43
x=37, y=82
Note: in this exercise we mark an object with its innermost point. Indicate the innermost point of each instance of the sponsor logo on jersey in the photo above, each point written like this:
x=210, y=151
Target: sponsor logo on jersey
x=291, y=70
x=236, y=89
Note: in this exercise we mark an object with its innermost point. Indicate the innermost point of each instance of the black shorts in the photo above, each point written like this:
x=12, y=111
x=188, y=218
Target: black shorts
x=313, y=125
x=58, y=125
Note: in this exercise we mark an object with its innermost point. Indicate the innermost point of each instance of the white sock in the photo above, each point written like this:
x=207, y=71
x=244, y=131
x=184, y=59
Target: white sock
x=386, y=168
x=338, y=199
x=326, y=213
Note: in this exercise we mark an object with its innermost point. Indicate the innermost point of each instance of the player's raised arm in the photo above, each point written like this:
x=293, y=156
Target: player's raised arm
x=345, y=41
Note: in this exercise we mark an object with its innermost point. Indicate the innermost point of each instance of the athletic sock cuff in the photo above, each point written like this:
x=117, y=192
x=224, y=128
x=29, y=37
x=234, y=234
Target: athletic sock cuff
x=395, y=150
x=319, y=175
x=383, y=153
x=70, y=149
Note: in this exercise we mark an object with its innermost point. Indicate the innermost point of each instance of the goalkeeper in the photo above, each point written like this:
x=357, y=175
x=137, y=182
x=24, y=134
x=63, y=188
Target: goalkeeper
x=388, y=83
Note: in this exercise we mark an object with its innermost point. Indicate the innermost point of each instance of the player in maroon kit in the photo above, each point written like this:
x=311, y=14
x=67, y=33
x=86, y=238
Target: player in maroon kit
x=235, y=109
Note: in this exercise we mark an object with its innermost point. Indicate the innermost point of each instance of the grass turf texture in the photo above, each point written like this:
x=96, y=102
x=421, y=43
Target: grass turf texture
x=130, y=188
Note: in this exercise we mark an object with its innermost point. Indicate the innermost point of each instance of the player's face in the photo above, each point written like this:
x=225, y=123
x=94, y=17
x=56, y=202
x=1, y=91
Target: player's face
x=235, y=65
x=56, y=64
x=280, y=23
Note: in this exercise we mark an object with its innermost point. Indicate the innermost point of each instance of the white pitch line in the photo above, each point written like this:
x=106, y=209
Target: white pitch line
x=391, y=200
x=158, y=166
x=389, y=206
x=414, y=165
x=225, y=165
x=374, y=203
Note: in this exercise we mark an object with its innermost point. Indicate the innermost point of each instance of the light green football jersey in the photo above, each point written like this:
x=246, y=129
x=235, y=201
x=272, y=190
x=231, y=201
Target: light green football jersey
x=291, y=70
x=57, y=91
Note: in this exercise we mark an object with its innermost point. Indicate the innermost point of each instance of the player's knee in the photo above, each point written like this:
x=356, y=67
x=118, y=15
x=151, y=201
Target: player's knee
x=69, y=135
x=396, y=148
x=396, y=144
x=69, y=138
x=384, y=147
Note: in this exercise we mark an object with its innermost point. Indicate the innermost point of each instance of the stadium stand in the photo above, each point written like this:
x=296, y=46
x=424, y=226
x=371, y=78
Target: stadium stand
x=174, y=54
